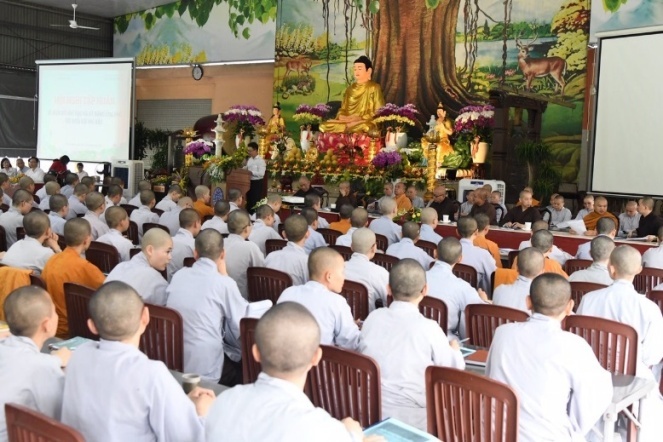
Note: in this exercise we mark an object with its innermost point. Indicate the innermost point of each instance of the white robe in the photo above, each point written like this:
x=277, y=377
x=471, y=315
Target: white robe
x=147, y=281
x=376, y=278
x=293, y=260
x=406, y=248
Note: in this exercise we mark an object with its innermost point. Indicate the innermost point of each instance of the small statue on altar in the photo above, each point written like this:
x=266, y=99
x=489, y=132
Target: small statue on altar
x=474, y=145
x=444, y=129
x=276, y=123
x=360, y=102
x=390, y=140
x=239, y=138
x=311, y=154
x=305, y=136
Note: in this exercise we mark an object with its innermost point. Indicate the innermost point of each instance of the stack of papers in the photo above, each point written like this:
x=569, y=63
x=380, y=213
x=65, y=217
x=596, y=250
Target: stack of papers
x=72, y=344
x=394, y=430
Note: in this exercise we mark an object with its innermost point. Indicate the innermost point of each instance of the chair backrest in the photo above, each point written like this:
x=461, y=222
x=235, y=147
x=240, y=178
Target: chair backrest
x=129, y=208
x=4, y=207
x=329, y=235
x=76, y=298
x=189, y=261
x=132, y=233
x=102, y=255
x=345, y=251
x=20, y=233
x=647, y=279
x=3, y=239
x=657, y=297
x=357, y=296
x=513, y=254
x=247, y=333
x=580, y=289
x=435, y=309
x=148, y=226
x=481, y=320
x=26, y=425
x=207, y=218
x=273, y=245
x=157, y=211
x=615, y=344
x=38, y=281
x=384, y=260
x=382, y=242
x=573, y=265
x=463, y=406
x=264, y=283
x=346, y=384
x=163, y=339
x=429, y=247
x=467, y=273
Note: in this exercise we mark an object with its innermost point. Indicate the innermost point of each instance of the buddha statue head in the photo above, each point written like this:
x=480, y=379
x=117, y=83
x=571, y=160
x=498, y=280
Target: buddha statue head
x=441, y=112
x=363, y=69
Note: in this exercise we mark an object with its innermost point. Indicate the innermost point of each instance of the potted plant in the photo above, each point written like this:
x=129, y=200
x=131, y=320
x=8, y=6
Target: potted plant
x=541, y=175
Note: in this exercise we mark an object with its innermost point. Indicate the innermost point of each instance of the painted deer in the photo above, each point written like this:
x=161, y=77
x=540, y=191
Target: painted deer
x=540, y=67
x=299, y=65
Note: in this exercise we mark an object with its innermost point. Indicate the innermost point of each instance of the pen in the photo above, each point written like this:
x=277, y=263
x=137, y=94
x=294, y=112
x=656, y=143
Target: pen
x=463, y=340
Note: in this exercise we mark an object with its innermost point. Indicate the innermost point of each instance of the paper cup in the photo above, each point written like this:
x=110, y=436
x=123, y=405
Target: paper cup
x=528, y=226
x=445, y=218
x=190, y=381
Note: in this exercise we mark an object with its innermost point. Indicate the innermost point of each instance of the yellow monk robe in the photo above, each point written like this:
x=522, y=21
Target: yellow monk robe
x=202, y=209
x=491, y=246
x=341, y=226
x=403, y=202
x=592, y=218
x=549, y=266
x=68, y=266
x=361, y=100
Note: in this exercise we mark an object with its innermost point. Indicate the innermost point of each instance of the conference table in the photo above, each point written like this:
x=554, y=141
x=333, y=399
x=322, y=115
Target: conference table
x=216, y=388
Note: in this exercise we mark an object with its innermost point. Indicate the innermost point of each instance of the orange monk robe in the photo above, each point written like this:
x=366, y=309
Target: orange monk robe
x=403, y=202
x=592, y=218
x=549, y=266
x=342, y=226
x=68, y=266
x=485, y=243
x=504, y=276
x=203, y=209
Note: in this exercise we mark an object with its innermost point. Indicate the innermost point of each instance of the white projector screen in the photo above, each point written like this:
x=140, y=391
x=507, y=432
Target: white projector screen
x=628, y=120
x=85, y=109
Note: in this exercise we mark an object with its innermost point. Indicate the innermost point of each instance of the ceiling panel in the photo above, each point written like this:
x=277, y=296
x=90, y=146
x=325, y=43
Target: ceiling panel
x=102, y=8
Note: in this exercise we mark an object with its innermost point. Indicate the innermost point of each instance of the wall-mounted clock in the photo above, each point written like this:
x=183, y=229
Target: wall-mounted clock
x=197, y=72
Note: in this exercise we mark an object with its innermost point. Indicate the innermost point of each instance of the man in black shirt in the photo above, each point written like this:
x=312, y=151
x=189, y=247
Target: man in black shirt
x=442, y=204
x=482, y=205
x=523, y=213
x=649, y=222
x=305, y=187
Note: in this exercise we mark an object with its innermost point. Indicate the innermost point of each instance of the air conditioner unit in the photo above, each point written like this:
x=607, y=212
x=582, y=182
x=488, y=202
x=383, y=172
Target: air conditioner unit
x=131, y=172
x=466, y=185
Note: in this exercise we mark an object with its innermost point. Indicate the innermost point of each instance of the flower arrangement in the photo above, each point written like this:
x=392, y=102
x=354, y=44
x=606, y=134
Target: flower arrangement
x=386, y=159
x=391, y=115
x=476, y=121
x=198, y=148
x=306, y=114
x=217, y=167
x=413, y=214
x=16, y=178
x=244, y=118
x=262, y=202
x=160, y=180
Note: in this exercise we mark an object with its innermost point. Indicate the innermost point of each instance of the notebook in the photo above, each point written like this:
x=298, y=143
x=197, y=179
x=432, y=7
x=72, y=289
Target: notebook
x=477, y=358
x=394, y=430
x=72, y=344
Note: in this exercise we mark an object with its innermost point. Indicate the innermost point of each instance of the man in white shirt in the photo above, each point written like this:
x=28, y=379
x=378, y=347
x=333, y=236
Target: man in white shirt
x=184, y=241
x=219, y=221
x=314, y=201
x=29, y=377
x=142, y=185
x=629, y=220
x=406, y=247
x=320, y=295
x=144, y=213
x=20, y=166
x=385, y=224
x=52, y=188
x=13, y=218
x=565, y=391
x=429, y=220
x=454, y=291
x=404, y=356
x=653, y=257
x=169, y=202
x=80, y=172
x=71, y=181
x=241, y=254
x=118, y=223
x=96, y=206
x=600, y=250
x=211, y=306
x=263, y=227
x=34, y=171
x=475, y=256
x=558, y=213
x=359, y=267
x=37, y=247
x=77, y=201
x=530, y=265
x=279, y=409
x=557, y=254
x=257, y=166
x=293, y=258
x=587, y=207
x=314, y=239
x=358, y=219
x=5, y=185
x=58, y=215
x=143, y=271
x=171, y=219
x=113, y=389
x=605, y=227
x=235, y=199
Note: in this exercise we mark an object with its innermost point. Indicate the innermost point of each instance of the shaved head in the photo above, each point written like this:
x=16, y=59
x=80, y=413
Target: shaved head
x=466, y=226
x=601, y=247
x=407, y=279
x=429, y=216
x=449, y=250
x=113, y=191
x=57, y=202
x=26, y=308
x=626, y=261
x=77, y=231
x=115, y=215
x=539, y=225
x=221, y=208
x=530, y=262
x=482, y=221
x=146, y=197
x=188, y=218
x=264, y=212
x=52, y=187
x=94, y=200
x=411, y=230
x=238, y=220
x=604, y=226
x=156, y=238
x=36, y=224
x=115, y=310
x=550, y=294
x=185, y=201
x=209, y=244
x=287, y=337
x=542, y=240
x=322, y=260
x=296, y=227
x=387, y=206
x=359, y=217
x=648, y=203
x=363, y=240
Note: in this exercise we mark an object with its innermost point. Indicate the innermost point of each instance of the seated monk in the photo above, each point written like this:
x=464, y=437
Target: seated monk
x=360, y=102
x=600, y=211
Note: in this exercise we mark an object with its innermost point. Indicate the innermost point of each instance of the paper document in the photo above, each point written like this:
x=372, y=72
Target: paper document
x=258, y=308
x=577, y=225
x=394, y=430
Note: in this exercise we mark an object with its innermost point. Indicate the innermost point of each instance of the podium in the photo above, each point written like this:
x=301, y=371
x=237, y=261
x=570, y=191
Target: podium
x=237, y=179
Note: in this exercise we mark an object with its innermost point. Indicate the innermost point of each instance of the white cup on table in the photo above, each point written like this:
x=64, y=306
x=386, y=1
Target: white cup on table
x=445, y=218
x=528, y=226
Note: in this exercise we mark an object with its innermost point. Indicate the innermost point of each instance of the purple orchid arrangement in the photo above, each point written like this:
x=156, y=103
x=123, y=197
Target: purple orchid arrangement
x=198, y=148
x=245, y=118
x=307, y=114
x=476, y=120
x=396, y=115
x=386, y=159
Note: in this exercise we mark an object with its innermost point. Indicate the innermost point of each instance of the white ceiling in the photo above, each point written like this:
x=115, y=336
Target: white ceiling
x=103, y=8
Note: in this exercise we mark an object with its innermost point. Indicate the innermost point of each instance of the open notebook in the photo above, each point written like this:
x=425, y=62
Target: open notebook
x=394, y=430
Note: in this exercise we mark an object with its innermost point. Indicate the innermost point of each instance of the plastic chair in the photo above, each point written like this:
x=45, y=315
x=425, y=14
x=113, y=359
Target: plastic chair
x=148, y=226
x=274, y=245
x=346, y=384
x=102, y=255
x=384, y=260
x=264, y=283
x=3, y=239
x=207, y=218
x=429, y=247
x=467, y=273
x=345, y=251
x=435, y=309
x=38, y=281
x=132, y=233
x=382, y=242
x=157, y=211
x=580, y=289
x=573, y=265
x=20, y=233
x=4, y=207
x=76, y=299
x=129, y=208
x=26, y=425
x=356, y=294
x=463, y=406
x=647, y=279
x=163, y=339
x=481, y=320
x=189, y=261
x=330, y=235
x=513, y=254
x=615, y=344
x=657, y=297
x=250, y=367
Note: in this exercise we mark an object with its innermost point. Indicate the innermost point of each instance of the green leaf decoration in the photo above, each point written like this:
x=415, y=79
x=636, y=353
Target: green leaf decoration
x=246, y=33
x=613, y=5
x=184, y=4
x=149, y=21
x=240, y=20
x=432, y=4
x=374, y=7
x=121, y=24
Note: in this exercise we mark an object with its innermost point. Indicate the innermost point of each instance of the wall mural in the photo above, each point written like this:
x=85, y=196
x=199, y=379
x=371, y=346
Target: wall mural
x=613, y=15
x=430, y=51
x=194, y=31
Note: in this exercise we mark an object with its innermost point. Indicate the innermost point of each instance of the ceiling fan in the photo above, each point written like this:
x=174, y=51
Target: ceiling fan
x=72, y=23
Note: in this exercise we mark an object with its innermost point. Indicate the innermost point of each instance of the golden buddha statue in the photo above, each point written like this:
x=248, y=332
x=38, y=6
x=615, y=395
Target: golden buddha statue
x=360, y=102
x=276, y=123
x=444, y=129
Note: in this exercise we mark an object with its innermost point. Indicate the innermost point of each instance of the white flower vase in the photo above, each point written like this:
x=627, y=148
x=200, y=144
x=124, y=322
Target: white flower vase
x=480, y=156
x=401, y=140
x=304, y=141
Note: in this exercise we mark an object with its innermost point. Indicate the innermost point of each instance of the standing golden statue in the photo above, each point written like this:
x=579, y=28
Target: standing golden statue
x=444, y=129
